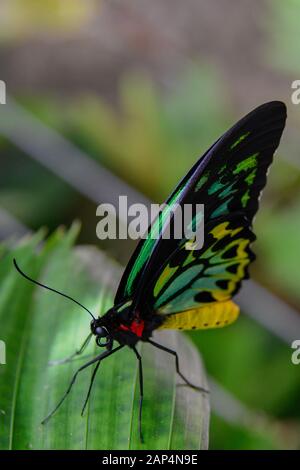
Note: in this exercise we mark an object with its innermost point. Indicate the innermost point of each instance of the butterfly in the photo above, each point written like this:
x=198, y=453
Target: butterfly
x=167, y=286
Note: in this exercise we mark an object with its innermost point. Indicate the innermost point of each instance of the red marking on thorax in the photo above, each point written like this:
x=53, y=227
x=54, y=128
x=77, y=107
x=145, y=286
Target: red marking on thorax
x=136, y=327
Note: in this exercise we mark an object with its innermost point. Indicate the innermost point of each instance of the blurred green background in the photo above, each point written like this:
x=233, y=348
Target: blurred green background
x=143, y=88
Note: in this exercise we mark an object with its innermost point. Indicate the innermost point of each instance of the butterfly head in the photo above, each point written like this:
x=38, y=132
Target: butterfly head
x=101, y=332
x=118, y=323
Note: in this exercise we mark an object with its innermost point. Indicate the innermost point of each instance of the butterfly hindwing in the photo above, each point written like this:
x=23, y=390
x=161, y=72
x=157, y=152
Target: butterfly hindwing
x=215, y=315
x=194, y=278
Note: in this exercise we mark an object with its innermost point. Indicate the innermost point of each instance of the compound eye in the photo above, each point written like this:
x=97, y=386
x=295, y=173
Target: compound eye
x=99, y=331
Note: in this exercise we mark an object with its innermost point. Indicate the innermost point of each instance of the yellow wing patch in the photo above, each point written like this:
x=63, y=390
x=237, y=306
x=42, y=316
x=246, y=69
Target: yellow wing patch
x=213, y=315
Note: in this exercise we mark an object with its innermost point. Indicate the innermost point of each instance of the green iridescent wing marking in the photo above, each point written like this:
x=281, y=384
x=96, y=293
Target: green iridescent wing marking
x=228, y=180
x=147, y=247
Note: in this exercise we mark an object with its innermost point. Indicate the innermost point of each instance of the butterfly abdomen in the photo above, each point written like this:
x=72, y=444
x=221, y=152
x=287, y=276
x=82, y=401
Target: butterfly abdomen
x=213, y=315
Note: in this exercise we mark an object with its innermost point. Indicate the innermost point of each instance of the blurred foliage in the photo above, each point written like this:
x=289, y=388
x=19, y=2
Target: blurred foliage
x=31, y=192
x=256, y=368
x=22, y=18
x=246, y=347
x=148, y=139
x=283, y=28
x=278, y=243
x=230, y=436
x=151, y=140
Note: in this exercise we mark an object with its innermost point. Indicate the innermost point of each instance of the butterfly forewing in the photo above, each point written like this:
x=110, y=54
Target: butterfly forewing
x=228, y=180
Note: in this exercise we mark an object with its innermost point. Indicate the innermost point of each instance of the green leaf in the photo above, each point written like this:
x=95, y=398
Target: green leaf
x=39, y=326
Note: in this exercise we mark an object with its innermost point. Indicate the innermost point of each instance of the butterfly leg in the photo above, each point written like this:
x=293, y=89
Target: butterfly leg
x=96, y=359
x=92, y=382
x=76, y=353
x=139, y=358
x=90, y=387
x=174, y=353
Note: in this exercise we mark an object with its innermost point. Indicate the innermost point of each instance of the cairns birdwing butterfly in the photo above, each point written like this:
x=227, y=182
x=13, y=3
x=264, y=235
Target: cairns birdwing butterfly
x=167, y=286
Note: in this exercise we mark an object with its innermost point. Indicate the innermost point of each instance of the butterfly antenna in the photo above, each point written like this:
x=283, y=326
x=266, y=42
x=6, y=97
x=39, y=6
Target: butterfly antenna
x=50, y=288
